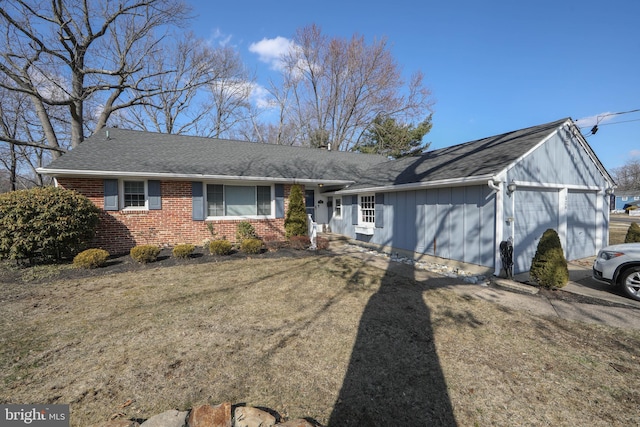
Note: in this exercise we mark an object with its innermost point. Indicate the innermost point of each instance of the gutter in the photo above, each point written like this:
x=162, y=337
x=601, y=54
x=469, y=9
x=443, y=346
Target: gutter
x=453, y=182
x=182, y=176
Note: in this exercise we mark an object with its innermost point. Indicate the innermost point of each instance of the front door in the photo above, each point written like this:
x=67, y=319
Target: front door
x=310, y=203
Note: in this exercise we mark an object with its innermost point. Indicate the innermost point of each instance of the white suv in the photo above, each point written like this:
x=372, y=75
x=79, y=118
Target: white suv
x=620, y=265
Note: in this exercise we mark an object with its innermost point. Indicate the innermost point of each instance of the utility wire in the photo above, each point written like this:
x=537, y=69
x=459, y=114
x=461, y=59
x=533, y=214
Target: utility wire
x=595, y=128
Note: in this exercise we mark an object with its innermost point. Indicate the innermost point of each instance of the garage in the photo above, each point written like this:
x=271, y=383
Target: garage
x=581, y=224
x=535, y=212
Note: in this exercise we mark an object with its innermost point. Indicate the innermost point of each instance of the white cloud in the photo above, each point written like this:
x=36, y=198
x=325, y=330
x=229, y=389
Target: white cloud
x=634, y=153
x=591, y=121
x=271, y=51
x=220, y=38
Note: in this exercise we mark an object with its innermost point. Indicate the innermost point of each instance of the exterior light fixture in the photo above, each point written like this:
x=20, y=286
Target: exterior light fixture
x=511, y=188
x=609, y=191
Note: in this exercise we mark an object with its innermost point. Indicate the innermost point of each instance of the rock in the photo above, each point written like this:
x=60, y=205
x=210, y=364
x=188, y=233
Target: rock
x=117, y=423
x=295, y=423
x=247, y=416
x=210, y=416
x=171, y=418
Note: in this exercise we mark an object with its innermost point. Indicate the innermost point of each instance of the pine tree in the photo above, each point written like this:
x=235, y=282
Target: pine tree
x=633, y=233
x=295, y=222
x=549, y=266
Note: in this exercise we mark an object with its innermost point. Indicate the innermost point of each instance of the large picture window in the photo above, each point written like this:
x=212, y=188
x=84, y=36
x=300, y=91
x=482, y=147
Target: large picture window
x=238, y=200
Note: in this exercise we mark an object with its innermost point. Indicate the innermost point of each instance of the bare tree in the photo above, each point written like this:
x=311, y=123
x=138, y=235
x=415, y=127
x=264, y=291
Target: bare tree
x=337, y=87
x=627, y=176
x=70, y=54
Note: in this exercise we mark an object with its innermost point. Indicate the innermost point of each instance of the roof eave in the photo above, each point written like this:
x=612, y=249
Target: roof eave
x=185, y=176
x=452, y=182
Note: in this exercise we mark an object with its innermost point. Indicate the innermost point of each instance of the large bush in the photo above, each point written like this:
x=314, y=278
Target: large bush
x=49, y=223
x=549, y=266
x=633, y=233
x=295, y=222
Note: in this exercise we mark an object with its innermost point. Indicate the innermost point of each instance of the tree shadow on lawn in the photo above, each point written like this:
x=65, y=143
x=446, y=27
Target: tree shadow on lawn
x=394, y=375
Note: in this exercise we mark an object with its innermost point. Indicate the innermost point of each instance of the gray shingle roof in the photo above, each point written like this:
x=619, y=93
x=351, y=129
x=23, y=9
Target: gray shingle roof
x=487, y=156
x=127, y=151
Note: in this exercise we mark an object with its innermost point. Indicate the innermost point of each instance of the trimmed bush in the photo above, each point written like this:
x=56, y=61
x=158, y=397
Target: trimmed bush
x=91, y=258
x=299, y=242
x=245, y=231
x=220, y=247
x=145, y=253
x=633, y=233
x=549, y=266
x=49, y=223
x=251, y=246
x=295, y=222
x=183, y=251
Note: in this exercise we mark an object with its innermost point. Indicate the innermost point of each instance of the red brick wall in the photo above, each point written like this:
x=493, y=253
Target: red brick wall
x=119, y=231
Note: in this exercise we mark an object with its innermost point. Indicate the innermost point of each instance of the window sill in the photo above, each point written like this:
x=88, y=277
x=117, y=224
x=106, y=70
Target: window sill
x=239, y=218
x=133, y=211
x=365, y=229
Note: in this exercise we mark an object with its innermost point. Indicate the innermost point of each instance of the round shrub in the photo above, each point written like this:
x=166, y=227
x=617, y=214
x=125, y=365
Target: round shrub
x=50, y=223
x=299, y=242
x=549, y=266
x=633, y=233
x=220, y=247
x=183, y=251
x=145, y=253
x=251, y=246
x=91, y=258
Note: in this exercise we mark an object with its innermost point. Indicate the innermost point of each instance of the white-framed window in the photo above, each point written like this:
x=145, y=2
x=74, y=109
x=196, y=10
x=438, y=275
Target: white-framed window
x=367, y=209
x=239, y=200
x=134, y=194
x=337, y=207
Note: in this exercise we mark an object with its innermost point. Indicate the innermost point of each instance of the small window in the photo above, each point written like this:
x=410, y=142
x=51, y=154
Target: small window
x=337, y=210
x=215, y=197
x=367, y=209
x=134, y=196
x=264, y=200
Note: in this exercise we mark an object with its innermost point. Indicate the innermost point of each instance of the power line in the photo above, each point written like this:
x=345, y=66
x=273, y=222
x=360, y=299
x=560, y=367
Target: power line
x=595, y=127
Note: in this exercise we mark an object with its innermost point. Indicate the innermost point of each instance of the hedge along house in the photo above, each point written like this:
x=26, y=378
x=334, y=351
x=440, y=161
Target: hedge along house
x=456, y=203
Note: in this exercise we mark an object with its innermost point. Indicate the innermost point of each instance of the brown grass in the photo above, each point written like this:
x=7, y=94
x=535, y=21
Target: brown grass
x=297, y=335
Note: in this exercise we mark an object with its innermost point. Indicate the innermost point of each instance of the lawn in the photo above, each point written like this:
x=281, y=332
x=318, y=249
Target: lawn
x=319, y=336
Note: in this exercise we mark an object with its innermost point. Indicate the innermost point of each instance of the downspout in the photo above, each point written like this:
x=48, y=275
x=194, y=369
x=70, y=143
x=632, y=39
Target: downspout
x=499, y=218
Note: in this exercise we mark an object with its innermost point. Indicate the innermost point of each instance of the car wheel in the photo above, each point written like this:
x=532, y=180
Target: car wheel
x=630, y=282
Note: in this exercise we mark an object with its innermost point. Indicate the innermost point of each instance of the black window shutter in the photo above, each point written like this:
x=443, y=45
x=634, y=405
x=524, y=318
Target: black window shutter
x=279, y=189
x=354, y=210
x=197, y=198
x=110, y=194
x=155, y=199
x=379, y=210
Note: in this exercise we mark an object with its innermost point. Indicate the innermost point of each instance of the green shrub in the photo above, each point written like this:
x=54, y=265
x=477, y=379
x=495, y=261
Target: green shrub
x=245, y=231
x=145, y=253
x=251, y=246
x=295, y=222
x=183, y=251
x=49, y=223
x=299, y=242
x=633, y=233
x=220, y=247
x=91, y=258
x=549, y=266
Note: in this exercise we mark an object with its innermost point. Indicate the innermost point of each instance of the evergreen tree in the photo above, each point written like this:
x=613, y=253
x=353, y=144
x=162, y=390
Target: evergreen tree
x=389, y=138
x=549, y=266
x=295, y=222
x=633, y=233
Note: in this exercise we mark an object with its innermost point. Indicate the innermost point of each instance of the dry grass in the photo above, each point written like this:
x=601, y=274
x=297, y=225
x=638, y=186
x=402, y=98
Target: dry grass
x=299, y=335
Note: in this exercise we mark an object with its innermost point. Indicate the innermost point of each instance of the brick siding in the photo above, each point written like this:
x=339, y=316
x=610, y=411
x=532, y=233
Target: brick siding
x=121, y=230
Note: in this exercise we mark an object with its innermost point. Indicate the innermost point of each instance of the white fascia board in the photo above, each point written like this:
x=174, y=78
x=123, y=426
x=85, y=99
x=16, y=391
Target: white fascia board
x=183, y=176
x=554, y=186
x=453, y=182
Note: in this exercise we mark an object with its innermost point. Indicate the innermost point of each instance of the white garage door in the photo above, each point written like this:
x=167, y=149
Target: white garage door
x=535, y=212
x=581, y=225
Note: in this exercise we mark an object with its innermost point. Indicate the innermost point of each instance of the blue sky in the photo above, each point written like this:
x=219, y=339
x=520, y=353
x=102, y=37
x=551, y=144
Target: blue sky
x=492, y=66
